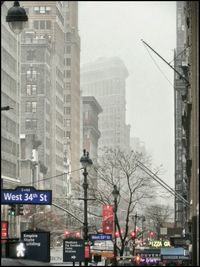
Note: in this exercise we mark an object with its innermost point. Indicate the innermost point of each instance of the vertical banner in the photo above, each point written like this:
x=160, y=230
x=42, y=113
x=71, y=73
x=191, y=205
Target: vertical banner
x=107, y=221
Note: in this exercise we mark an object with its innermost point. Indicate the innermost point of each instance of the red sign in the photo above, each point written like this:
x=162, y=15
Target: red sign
x=87, y=251
x=4, y=229
x=107, y=222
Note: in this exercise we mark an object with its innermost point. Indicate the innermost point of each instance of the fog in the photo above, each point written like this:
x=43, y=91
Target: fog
x=115, y=29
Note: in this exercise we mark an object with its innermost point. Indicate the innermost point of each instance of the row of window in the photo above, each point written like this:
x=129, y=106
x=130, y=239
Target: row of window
x=31, y=124
x=31, y=106
x=42, y=24
x=42, y=10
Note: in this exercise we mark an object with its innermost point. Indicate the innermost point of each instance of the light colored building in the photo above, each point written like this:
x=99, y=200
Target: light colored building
x=10, y=124
x=105, y=79
x=46, y=19
x=72, y=97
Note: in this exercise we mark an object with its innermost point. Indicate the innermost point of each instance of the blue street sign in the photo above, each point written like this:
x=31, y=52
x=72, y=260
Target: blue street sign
x=100, y=237
x=26, y=195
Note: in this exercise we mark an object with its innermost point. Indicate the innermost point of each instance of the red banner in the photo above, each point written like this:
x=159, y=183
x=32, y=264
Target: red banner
x=108, y=217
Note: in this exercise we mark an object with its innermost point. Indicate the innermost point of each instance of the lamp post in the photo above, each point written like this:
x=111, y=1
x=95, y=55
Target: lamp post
x=135, y=228
x=16, y=18
x=115, y=193
x=86, y=163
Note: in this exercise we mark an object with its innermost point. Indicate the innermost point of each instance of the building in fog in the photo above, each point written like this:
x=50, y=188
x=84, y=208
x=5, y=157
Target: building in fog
x=91, y=133
x=9, y=97
x=10, y=120
x=72, y=97
x=138, y=145
x=187, y=122
x=36, y=58
x=57, y=22
x=105, y=79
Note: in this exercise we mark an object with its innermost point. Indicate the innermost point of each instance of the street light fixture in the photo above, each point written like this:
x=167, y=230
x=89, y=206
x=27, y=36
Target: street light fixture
x=16, y=18
x=86, y=163
x=115, y=193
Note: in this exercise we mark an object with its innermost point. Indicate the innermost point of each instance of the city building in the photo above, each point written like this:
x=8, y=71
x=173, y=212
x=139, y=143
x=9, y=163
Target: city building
x=36, y=105
x=180, y=134
x=187, y=122
x=91, y=133
x=72, y=98
x=10, y=123
x=105, y=79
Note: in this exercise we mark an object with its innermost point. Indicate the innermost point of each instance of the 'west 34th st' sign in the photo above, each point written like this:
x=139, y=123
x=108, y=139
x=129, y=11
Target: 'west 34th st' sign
x=26, y=195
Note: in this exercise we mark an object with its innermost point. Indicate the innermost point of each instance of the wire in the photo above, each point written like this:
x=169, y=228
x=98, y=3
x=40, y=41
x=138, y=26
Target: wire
x=48, y=178
x=158, y=66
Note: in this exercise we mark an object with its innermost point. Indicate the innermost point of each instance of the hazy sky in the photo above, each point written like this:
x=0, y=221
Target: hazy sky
x=116, y=29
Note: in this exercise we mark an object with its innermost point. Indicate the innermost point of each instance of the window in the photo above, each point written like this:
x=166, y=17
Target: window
x=68, y=61
x=30, y=124
x=42, y=10
x=68, y=74
x=48, y=24
x=34, y=106
x=67, y=110
x=42, y=24
x=36, y=24
x=28, y=89
x=31, y=74
x=28, y=106
x=68, y=49
x=31, y=106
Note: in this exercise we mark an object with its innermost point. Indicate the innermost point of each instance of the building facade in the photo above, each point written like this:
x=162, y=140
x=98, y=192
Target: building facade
x=188, y=64
x=105, y=79
x=72, y=97
x=91, y=133
x=181, y=178
x=10, y=123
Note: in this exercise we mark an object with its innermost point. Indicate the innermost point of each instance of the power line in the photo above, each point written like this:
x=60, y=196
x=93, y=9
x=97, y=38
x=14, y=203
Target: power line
x=48, y=178
x=158, y=67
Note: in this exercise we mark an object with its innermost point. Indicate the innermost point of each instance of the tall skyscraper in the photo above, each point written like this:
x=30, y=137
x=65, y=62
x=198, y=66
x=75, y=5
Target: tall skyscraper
x=105, y=79
x=9, y=97
x=57, y=23
x=72, y=90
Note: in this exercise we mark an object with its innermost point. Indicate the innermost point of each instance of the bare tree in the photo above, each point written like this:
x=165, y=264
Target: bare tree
x=119, y=168
x=158, y=214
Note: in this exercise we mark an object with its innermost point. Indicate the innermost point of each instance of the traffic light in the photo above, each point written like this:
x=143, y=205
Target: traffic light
x=133, y=234
x=20, y=209
x=12, y=209
x=66, y=232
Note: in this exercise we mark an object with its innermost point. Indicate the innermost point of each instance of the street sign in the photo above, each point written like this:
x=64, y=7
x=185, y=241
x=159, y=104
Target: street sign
x=94, y=237
x=73, y=250
x=26, y=195
x=37, y=245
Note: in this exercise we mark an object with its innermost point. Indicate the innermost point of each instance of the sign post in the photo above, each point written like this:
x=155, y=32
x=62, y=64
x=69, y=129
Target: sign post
x=73, y=250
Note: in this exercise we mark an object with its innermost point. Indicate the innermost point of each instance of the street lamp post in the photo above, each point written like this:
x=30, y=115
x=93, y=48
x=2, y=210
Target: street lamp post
x=115, y=195
x=135, y=228
x=16, y=18
x=86, y=163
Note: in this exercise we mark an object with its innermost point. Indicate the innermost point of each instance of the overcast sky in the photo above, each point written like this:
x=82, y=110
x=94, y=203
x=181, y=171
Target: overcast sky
x=116, y=29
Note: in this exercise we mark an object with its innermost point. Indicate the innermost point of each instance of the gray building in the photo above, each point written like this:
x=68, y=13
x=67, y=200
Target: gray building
x=10, y=124
x=181, y=177
x=46, y=19
x=105, y=79
x=36, y=58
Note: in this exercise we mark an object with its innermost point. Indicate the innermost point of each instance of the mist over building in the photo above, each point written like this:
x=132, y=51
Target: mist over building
x=105, y=79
